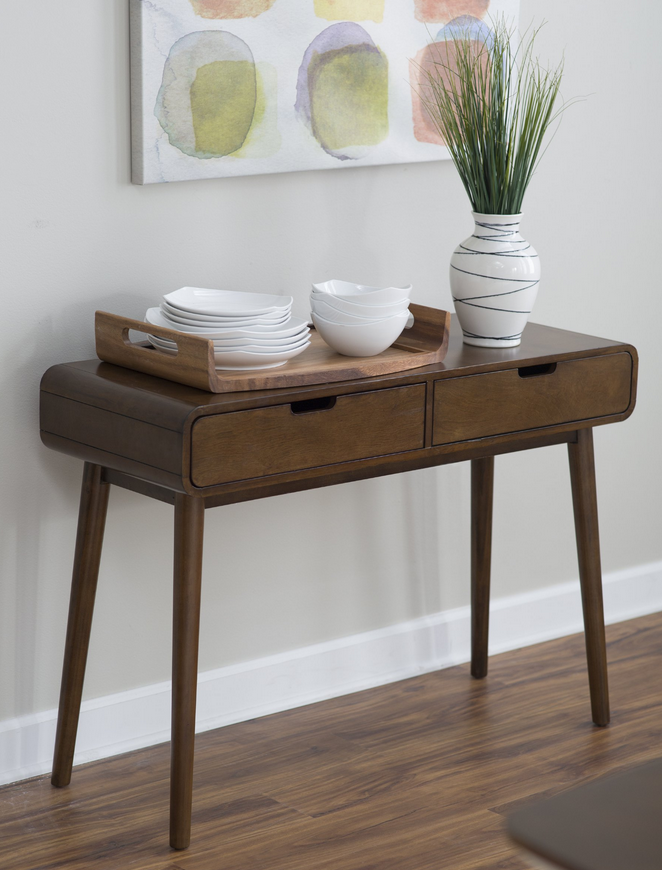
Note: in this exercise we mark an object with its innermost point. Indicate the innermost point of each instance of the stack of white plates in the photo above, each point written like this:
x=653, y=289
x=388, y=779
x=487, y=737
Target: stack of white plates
x=356, y=320
x=249, y=330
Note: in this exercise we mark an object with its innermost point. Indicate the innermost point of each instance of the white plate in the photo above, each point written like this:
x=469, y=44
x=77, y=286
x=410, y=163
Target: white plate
x=202, y=317
x=226, y=302
x=212, y=321
x=291, y=326
x=262, y=346
x=294, y=328
x=242, y=344
x=208, y=322
x=240, y=360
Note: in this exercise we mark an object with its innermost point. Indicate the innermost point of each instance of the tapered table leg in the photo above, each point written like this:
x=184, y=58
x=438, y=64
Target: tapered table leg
x=189, y=529
x=89, y=540
x=482, y=489
x=582, y=477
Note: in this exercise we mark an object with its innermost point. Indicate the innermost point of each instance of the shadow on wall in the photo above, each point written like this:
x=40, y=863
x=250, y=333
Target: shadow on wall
x=40, y=480
x=436, y=508
x=120, y=59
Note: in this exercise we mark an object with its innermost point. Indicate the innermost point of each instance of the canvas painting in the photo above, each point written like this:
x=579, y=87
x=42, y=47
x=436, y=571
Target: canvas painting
x=240, y=87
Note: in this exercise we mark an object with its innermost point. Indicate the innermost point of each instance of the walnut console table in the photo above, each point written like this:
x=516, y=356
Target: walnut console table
x=197, y=450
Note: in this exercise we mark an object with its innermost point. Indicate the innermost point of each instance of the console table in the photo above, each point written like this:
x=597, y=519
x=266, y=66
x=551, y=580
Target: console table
x=197, y=450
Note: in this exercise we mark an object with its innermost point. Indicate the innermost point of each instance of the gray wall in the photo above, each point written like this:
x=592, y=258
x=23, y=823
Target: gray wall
x=76, y=236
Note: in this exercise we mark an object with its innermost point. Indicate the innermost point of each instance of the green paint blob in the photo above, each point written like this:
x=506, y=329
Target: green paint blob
x=223, y=99
x=349, y=97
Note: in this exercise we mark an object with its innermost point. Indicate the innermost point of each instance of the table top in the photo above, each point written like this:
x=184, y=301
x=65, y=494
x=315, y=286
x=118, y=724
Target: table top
x=610, y=824
x=232, y=446
x=539, y=344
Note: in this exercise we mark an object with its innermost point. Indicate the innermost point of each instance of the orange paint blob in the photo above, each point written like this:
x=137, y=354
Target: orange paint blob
x=442, y=56
x=424, y=128
x=446, y=10
x=231, y=8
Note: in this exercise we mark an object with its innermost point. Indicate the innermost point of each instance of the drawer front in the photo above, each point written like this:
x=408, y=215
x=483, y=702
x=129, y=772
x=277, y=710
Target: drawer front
x=479, y=406
x=250, y=444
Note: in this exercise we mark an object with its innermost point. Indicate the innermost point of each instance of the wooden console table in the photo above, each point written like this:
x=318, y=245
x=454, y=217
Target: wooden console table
x=197, y=450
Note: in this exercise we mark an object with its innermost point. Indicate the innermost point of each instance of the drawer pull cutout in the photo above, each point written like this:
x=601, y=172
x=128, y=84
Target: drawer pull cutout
x=536, y=371
x=307, y=406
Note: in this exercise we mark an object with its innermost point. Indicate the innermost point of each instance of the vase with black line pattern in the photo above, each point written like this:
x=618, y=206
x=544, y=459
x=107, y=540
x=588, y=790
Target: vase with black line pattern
x=494, y=278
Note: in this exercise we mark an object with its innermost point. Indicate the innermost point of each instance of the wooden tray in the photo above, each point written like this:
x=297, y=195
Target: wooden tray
x=425, y=343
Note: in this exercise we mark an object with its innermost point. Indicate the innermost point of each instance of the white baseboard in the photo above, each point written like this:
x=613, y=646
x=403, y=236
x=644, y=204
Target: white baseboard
x=141, y=717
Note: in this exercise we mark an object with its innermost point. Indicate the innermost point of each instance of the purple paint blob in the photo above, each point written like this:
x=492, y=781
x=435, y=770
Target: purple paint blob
x=335, y=37
x=466, y=27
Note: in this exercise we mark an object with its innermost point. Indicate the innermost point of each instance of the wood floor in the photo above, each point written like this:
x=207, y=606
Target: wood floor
x=418, y=774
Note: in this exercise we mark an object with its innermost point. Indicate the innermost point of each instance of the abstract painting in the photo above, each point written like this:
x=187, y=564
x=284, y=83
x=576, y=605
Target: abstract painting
x=241, y=87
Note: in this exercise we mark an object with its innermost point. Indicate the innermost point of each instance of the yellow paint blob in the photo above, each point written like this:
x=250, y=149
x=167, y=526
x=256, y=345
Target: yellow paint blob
x=223, y=99
x=350, y=10
x=349, y=98
x=263, y=138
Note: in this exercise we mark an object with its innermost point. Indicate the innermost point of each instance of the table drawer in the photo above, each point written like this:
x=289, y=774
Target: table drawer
x=495, y=403
x=248, y=444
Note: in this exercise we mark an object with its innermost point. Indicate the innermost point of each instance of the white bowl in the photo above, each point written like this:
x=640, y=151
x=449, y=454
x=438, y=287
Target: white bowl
x=200, y=300
x=357, y=309
x=334, y=316
x=363, y=293
x=324, y=305
x=366, y=339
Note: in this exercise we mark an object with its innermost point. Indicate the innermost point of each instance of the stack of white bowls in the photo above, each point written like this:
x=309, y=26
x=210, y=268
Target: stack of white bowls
x=249, y=330
x=357, y=320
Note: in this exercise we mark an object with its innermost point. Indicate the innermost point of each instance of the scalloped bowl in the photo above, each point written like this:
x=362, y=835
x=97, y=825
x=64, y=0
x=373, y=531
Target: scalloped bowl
x=322, y=303
x=365, y=339
x=328, y=312
x=363, y=293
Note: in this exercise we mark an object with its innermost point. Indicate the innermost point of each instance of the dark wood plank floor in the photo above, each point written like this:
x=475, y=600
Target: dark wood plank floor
x=418, y=774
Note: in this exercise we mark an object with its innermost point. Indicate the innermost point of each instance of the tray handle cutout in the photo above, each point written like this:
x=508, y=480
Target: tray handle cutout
x=194, y=357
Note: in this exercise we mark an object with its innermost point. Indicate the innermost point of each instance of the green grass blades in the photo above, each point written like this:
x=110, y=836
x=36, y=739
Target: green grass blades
x=492, y=102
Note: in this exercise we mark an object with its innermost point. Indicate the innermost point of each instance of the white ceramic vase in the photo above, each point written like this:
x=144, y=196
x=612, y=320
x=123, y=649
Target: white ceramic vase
x=494, y=281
